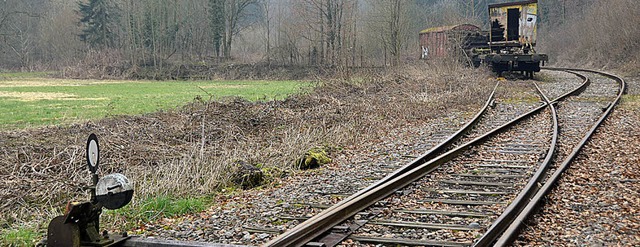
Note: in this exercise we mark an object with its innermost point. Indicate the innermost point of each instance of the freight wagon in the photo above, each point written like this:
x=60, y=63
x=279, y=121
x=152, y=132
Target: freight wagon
x=508, y=46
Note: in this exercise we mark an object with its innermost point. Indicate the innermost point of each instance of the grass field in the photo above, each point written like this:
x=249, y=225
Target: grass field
x=31, y=100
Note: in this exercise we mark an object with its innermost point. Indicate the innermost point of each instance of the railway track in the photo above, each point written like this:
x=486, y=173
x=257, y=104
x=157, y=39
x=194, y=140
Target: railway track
x=325, y=195
x=476, y=186
x=582, y=115
x=470, y=199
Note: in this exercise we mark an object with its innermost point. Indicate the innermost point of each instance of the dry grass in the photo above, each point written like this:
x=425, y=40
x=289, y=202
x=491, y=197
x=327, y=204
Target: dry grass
x=49, y=82
x=191, y=151
x=35, y=96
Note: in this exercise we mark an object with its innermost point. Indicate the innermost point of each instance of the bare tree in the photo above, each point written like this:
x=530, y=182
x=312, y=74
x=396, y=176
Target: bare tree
x=56, y=42
x=217, y=17
x=391, y=18
x=325, y=22
x=18, y=24
x=289, y=33
x=266, y=21
x=236, y=19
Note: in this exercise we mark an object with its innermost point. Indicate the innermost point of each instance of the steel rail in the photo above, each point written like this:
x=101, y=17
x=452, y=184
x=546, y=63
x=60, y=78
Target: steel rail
x=153, y=242
x=431, y=154
x=321, y=223
x=395, y=178
x=514, y=228
x=521, y=201
x=325, y=220
x=524, y=197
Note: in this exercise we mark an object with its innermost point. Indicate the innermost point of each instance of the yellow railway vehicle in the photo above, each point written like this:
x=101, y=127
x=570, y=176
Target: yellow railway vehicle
x=512, y=38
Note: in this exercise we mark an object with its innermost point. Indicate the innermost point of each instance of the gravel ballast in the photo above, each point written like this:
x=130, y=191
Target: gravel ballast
x=589, y=210
x=597, y=200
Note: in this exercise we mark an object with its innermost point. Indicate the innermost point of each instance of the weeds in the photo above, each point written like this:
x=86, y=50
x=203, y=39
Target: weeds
x=152, y=209
x=631, y=101
x=19, y=237
x=189, y=152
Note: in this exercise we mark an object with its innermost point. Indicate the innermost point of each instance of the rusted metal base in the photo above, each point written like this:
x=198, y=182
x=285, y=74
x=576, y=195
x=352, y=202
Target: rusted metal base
x=79, y=227
x=64, y=234
x=61, y=234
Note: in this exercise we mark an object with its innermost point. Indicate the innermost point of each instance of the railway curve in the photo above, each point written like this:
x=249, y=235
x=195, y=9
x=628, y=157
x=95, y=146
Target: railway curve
x=510, y=219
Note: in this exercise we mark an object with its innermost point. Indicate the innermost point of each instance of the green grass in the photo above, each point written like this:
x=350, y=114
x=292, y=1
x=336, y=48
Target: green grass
x=154, y=208
x=148, y=210
x=167, y=206
x=631, y=101
x=19, y=237
x=13, y=75
x=522, y=98
x=31, y=102
x=543, y=77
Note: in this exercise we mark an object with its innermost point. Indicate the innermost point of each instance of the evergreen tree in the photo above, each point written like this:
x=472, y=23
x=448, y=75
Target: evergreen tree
x=217, y=17
x=99, y=18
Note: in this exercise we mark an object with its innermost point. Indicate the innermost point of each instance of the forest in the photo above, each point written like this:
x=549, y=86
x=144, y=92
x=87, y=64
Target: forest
x=124, y=35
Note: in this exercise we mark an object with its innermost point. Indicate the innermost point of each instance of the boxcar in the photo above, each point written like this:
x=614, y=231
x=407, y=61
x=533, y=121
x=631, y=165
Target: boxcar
x=450, y=41
x=508, y=46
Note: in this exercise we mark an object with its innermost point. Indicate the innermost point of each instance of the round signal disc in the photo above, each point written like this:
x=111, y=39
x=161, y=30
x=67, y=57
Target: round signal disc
x=114, y=191
x=93, y=157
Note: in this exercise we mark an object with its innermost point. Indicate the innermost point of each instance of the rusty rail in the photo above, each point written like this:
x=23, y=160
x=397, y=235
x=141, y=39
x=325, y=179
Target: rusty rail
x=324, y=221
x=429, y=155
x=518, y=204
x=512, y=231
x=152, y=242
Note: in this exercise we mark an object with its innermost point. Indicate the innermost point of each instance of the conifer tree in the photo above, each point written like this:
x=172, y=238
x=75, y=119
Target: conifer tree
x=99, y=18
x=217, y=16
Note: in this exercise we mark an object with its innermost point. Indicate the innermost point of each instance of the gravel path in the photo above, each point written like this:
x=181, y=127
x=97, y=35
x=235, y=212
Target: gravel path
x=558, y=83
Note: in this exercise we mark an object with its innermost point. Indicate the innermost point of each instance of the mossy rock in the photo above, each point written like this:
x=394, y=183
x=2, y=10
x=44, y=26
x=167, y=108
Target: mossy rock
x=246, y=176
x=312, y=159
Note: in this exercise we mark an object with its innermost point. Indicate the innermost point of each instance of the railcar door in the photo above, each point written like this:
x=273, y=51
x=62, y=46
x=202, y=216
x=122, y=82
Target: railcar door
x=513, y=24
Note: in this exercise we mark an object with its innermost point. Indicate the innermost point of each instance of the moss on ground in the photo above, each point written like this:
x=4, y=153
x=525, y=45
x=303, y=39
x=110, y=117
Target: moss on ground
x=313, y=158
